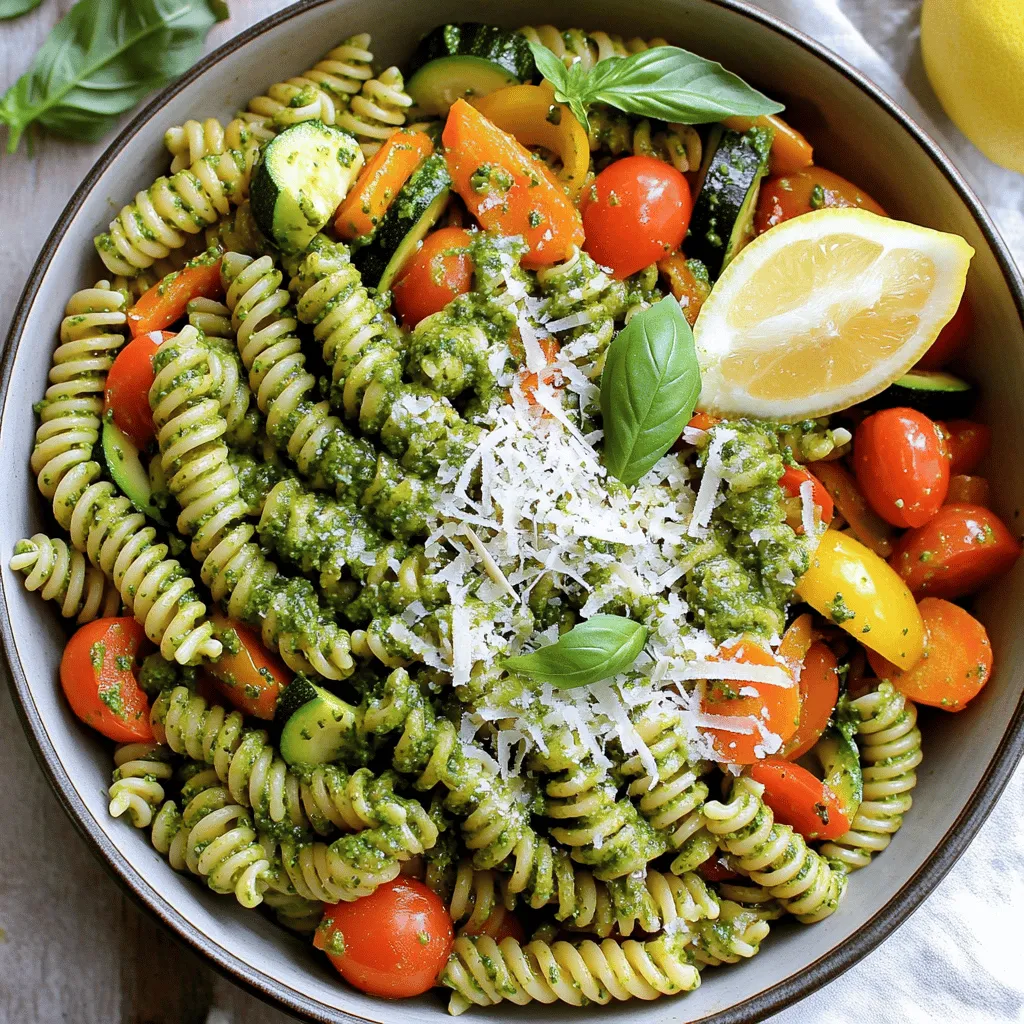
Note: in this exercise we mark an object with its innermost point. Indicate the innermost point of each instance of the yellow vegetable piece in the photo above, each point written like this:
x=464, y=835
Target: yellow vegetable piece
x=530, y=113
x=849, y=584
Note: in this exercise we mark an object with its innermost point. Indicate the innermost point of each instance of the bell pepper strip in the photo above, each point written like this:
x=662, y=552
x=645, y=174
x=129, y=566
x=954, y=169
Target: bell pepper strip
x=380, y=181
x=509, y=189
x=800, y=800
x=126, y=396
x=853, y=587
x=790, y=151
x=530, y=113
x=689, y=290
x=247, y=674
x=867, y=526
x=969, y=490
x=166, y=302
x=957, y=662
x=819, y=691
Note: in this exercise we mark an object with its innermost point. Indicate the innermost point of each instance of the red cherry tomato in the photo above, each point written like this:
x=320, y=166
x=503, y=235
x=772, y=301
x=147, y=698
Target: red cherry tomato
x=716, y=869
x=800, y=800
x=636, y=213
x=951, y=340
x=902, y=466
x=967, y=443
x=97, y=674
x=792, y=480
x=250, y=677
x=968, y=490
x=392, y=943
x=500, y=924
x=128, y=384
x=957, y=552
x=819, y=691
x=789, y=195
x=433, y=277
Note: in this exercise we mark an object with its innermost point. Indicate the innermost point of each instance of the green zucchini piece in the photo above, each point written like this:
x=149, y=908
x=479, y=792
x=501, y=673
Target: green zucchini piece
x=938, y=395
x=437, y=85
x=502, y=47
x=413, y=213
x=126, y=470
x=839, y=758
x=730, y=179
x=318, y=727
x=304, y=174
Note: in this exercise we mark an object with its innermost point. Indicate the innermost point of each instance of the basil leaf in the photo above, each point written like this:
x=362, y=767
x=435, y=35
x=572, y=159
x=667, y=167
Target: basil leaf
x=16, y=8
x=566, y=80
x=101, y=59
x=672, y=84
x=596, y=649
x=649, y=387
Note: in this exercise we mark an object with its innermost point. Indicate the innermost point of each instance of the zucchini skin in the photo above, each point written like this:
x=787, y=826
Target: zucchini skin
x=951, y=403
x=507, y=49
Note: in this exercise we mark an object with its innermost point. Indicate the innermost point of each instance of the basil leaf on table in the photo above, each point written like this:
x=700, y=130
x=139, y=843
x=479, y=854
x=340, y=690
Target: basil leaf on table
x=596, y=649
x=649, y=387
x=16, y=8
x=101, y=59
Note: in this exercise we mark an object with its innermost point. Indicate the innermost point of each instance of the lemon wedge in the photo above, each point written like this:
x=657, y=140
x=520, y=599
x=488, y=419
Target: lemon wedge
x=823, y=311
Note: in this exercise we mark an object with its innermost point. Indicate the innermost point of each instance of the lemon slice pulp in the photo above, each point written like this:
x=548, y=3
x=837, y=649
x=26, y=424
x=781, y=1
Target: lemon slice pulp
x=824, y=311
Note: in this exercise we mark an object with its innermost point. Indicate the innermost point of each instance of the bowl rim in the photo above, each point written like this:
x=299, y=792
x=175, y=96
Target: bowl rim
x=769, y=1000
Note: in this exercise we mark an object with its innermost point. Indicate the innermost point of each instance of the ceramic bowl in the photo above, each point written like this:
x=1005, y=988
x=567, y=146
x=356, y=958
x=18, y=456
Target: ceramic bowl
x=857, y=131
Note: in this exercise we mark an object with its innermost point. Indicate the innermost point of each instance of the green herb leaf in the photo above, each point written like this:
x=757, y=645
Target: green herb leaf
x=101, y=59
x=596, y=649
x=649, y=387
x=16, y=8
x=566, y=80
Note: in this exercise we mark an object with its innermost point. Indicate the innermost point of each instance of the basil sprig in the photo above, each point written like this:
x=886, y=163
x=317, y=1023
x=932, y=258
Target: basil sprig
x=596, y=649
x=16, y=8
x=649, y=387
x=103, y=57
x=665, y=82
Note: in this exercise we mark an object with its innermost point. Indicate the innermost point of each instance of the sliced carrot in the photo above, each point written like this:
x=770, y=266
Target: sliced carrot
x=868, y=527
x=790, y=152
x=249, y=675
x=166, y=301
x=703, y=421
x=819, y=691
x=969, y=490
x=797, y=640
x=380, y=181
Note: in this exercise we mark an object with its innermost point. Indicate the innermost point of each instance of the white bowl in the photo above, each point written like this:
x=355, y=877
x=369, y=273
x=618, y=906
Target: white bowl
x=856, y=131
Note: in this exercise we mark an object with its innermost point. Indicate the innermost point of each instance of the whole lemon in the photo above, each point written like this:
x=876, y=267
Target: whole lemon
x=974, y=55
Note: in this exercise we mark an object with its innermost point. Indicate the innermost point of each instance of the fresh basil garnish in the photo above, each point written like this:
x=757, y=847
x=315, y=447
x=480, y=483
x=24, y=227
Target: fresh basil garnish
x=665, y=82
x=101, y=58
x=16, y=8
x=596, y=649
x=649, y=387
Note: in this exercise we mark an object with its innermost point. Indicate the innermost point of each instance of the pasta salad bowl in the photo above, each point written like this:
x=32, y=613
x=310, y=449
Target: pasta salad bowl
x=856, y=130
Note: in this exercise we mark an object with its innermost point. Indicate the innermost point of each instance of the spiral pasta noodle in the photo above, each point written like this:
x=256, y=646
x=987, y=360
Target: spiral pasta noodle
x=136, y=788
x=483, y=972
x=614, y=133
x=587, y=47
x=774, y=855
x=378, y=111
x=890, y=751
x=194, y=140
x=476, y=895
x=735, y=935
x=755, y=898
x=61, y=574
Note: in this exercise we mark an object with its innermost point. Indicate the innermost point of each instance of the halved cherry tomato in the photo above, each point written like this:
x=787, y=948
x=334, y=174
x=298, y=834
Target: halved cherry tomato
x=790, y=151
x=800, y=800
x=689, y=291
x=959, y=551
x=500, y=924
x=506, y=187
x=902, y=465
x=791, y=195
x=968, y=443
x=392, y=943
x=166, y=301
x=247, y=673
x=794, y=477
x=951, y=340
x=433, y=276
x=635, y=213
x=380, y=181
x=128, y=384
x=969, y=490
x=867, y=526
x=716, y=869
x=957, y=659
x=97, y=673
x=819, y=691
x=763, y=708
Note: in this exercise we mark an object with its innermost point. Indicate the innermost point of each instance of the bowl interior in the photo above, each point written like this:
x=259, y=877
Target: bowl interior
x=854, y=135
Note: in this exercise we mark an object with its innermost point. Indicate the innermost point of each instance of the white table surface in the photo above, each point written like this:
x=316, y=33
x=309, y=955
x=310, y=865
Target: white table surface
x=74, y=949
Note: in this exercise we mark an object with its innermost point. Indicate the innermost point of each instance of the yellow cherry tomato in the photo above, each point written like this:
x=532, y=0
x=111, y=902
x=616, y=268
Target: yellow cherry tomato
x=530, y=113
x=849, y=584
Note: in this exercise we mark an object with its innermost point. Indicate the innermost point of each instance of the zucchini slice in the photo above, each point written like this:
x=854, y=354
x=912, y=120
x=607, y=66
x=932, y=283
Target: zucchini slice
x=730, y=179
x=466, y=60
x=303, y=175
x=318, y=726
x=414, y=212
x=938, y=395
x=839, y=758
x=126, y=470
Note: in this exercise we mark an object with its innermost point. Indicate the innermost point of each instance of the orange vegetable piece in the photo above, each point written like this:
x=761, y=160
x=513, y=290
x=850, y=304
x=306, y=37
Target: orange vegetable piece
x=166, y=301
x=790, y=151
x=689, y=292
x=969, y=490
x=800, y=800
x=819, y=691
x=867, y=526
x=251, y=677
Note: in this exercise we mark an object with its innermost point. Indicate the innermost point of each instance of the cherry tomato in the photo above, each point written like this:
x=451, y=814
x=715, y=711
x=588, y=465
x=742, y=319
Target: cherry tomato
x=636, y=213
x=703, y=421
x=392, y=943
x=800, y=800
x=819, y=691
x=790, y=195
x=770, y=708
x=716, y=869
x=795, y=477
x=969, y=490
x=128, y=384
x=97, y=673
x=956, y=553
x=250, y=676
x=967, y=443
x=500, y=924
x=957, y=659
x=900, y=458
x=433, y=276
x=951, y=340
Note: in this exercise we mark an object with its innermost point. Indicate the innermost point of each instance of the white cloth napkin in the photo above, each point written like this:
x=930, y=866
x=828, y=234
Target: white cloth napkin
x=958, y=959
